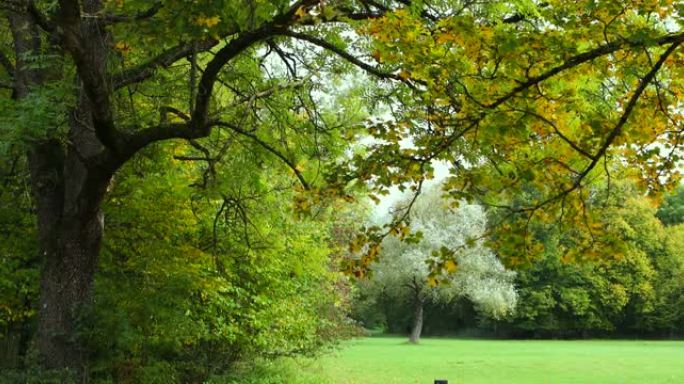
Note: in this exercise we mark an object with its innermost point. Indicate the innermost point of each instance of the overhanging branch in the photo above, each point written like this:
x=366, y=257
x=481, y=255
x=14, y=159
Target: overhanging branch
x=146, y=70
x=197, y=125
x=341, y=53
x=150, y=12
x=267, y=147
x=580, y=59
x=613, y=134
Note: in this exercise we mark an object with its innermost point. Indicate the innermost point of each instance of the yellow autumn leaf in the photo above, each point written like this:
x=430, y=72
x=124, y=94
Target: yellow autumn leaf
x=300, y=12
x=122, y=47
x=445, y=38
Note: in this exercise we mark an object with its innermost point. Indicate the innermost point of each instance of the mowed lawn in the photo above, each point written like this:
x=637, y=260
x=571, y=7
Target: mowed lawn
x=391, y=360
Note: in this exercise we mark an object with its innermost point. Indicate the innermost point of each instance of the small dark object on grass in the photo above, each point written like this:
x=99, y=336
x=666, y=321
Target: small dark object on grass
x=441, y=382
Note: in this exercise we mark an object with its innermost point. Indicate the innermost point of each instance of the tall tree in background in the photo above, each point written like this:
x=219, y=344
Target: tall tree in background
x=472, y=270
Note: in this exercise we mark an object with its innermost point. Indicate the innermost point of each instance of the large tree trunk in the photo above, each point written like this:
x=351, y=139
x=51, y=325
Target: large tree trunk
x=70, y=176
x=66, y=283
x=69, y=179
x=68, y=198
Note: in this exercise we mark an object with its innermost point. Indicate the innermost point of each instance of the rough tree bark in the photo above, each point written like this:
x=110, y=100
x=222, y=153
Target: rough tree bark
x=70, y=233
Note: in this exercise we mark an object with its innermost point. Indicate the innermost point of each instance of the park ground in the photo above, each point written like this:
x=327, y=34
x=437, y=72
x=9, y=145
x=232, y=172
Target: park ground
x=390, y=360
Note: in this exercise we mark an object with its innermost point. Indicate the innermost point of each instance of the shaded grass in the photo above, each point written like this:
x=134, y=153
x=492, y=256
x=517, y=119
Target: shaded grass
x=280, y=371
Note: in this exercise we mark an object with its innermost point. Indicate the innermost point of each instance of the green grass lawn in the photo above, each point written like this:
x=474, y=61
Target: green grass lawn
x=385, y=360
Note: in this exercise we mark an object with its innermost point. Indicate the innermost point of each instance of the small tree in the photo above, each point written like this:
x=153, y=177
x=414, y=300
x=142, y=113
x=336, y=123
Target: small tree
x=472, y=270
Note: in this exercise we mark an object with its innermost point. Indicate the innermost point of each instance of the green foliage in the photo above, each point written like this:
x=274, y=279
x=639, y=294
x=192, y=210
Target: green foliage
x=41, y=115
x=18, y=256
x=672, y=210
x=185, y=291
x=525, y=100
x=560, y=299
x=571, y=291
x=279, y=371
x=18, y=272
x=635, y=291
x=34, y=375
x=519, y=95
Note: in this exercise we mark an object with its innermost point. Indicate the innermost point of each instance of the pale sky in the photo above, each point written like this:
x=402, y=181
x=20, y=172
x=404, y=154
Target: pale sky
x=382, y=209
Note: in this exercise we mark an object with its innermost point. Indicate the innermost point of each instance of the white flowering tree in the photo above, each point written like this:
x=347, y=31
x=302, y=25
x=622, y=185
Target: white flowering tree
x=472, y=271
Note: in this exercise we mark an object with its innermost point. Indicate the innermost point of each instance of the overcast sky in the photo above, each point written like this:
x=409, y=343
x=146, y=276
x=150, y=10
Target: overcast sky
x=382, y=209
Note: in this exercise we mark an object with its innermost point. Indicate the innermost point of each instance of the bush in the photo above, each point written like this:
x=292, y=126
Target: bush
x=279, y=371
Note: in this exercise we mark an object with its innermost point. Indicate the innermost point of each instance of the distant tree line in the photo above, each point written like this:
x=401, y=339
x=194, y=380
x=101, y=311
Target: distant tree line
x=637, y=292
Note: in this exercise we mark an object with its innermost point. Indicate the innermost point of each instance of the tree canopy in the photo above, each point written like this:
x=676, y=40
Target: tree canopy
x=523, y=95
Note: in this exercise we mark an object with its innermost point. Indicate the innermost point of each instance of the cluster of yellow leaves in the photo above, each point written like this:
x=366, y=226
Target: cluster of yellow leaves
x=122, y=47
x=207, y=21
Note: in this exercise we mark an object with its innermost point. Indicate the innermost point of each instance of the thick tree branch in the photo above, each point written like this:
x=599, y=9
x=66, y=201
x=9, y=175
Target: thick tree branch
x=69, y=12
x=150, y=12
x=25, y=36
x=342, y=53
x=87, y=44
x=164, y=60
x=580, y=59
x=424, y=13
x=165, y=110
x=40, y=19
x=149, y=135
x=210, y=74
x=198, y=126
x=237, y=45
x=231, y=50
x=28, y=7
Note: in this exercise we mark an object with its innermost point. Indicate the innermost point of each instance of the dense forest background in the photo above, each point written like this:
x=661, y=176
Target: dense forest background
x=636, y=293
